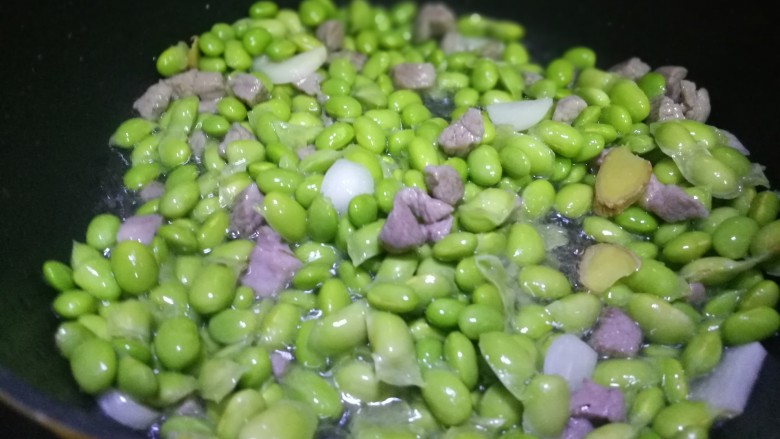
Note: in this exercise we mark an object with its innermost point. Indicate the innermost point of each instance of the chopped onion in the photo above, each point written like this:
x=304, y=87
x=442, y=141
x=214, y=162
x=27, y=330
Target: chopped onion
x=292, y=69
x=344, y=181
x=727, y=388
x=520, y=115
x=733, y=142
x=571, y=358
x=123, y=409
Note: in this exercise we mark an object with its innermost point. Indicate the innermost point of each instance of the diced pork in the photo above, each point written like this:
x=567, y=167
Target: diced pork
x=280, y=363
x=674, y=76
x=632, y=68
x=331, y=34
x=193, y=82
x=141, y=228
x=696, y=101
x=271, y=264
x=444, y=183
x=670, y=202
x=663, y=108
x=697, y=293
x=597, y=403
x=236, y=132
x=568, y=108
x=310, y=84
x=152, y=190
x=413, y=76
x=197, y=143
x=247, y=88
x=154, y=101
x=529, y=78
x=415, y=219
x=433, y=20
x=245, y=218
x=207, y=105
x=616, y=334
x=576, y=428
x=461, y=136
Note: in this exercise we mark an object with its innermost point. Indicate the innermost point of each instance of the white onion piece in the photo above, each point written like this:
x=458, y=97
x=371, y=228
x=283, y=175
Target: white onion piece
x=292, y=69
x=123, y=409
x=520, y=115
x=344, y=181
x=727, y=388
x=571, y=358
x=734, y=142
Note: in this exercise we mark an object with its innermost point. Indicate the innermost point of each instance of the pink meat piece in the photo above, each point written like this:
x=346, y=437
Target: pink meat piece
x=193, y=82
x=310, y=84
x=567, y=109
x=433, y=20
x=245, y=218
x=697, y=294
x=696, y=101
x=331, y=34
x=208, y=105
x=597, y=403
x=248, y=88
x=632, y=68
x=154, y=101
x=401, y=232
x=236, y=132
x=197, y=143
x=616, y=334
x=271, y=264
x=151, y=191
x=415, y=219
x=356, y=58
x=529, y=78
x=673, y=76
x=670, y=202
x=141, y=228
x=459, y=137
x=280, y=363
x=664, y=108
x=413, y=76
x=444, y=183
x=576, y=428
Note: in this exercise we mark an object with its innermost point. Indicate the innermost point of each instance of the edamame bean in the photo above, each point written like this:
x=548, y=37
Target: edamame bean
x=543, y=282
x=177, y=343
x=731, y=239
x=751, y=325
x=447, y=397
x=94, y=365
x=546, y=404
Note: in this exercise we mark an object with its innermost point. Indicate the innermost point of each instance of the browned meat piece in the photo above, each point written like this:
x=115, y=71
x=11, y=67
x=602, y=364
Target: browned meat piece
x=616, y=334
x=401, y=232
x=673, y=75
x=458, y=138
x=567, y=109
x=415, y=219
x=696, y=102
x=597, y=403
x=413, y=76
x=433, y=20
x=670, y=202
x=356, y=58
x=444, y=183
x=152, y=190
x=663, y=108
x=154, y=101
x=245, y=218
x=271, y=264
x=632, y=68
x=139, y=228
x=193, y=82
x=197, y=143
x=310, y=84
x=576, y=428
x=236, y=132
x=331, y=33
x=248, y=88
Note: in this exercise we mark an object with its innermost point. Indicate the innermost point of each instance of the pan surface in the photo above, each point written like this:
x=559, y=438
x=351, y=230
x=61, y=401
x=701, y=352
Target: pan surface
x=72, y=68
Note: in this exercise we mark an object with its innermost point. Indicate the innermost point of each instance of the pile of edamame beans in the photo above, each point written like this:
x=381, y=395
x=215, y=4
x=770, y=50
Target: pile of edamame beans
x=446, y=340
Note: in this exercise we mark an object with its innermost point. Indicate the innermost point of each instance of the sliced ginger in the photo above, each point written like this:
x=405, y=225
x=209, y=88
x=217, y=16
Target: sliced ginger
x=620, y=181
x=604, y=264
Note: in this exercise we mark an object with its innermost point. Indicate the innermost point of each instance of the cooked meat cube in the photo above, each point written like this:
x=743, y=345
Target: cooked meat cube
x=154, y=101
x=568, y=108
x=236, y=132
x=415, y=219
x=433, y=20
x=598, y=403
x=331, y=34
x=663, y=108
x=632, y=68
x=193, y=82
x=139, y=228
x=310, y=84
x=616, y=334
x=461, y=136
x=271, y=264
x=673, y=75
x=696, y=101
x=248, y=88
x=245, y=218
x=576, y=428
x=444, y=183
x=670, y=202
x=427, y=209
x=413, y=76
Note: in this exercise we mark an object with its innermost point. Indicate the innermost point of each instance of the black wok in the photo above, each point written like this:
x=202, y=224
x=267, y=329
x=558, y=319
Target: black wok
x=70, y=70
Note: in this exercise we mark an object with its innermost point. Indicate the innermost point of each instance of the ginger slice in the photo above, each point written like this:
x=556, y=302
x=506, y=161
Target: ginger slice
x=604, y=264
x=620, y=181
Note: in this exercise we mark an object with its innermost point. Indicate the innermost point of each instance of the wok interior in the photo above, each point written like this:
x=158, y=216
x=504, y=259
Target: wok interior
x=74, y=69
